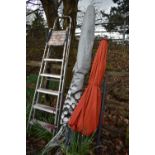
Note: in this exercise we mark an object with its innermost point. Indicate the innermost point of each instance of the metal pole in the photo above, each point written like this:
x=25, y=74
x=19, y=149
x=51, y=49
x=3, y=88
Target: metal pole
x=101, y=111
x=124, y=27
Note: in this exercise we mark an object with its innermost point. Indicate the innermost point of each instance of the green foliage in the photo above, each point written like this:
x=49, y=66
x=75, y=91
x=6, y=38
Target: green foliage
x=36, y=33
x=39, y=132
x=45, y=117
x=28, y=107
x=123, y=5
x=38, y=21
x=32, y=78
x=54, y=85
x=79, y=145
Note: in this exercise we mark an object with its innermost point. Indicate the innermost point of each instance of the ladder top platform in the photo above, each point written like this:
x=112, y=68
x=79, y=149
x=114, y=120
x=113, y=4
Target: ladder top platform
x=57, y=38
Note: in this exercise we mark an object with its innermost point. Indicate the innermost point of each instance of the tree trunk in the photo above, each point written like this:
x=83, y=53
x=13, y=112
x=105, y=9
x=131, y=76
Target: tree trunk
x=50, y=7
x=70, y=9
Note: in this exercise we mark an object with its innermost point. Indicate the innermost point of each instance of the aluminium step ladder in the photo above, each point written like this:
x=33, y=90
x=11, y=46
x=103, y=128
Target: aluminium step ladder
x=56, y=38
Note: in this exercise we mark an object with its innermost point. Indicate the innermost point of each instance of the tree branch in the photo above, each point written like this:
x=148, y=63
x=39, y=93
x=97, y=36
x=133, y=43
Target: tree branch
x=33, y=3
x=32, y=12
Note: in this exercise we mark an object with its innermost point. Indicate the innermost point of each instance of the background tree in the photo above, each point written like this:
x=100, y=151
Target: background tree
x=35, y=36
x=38, y=21
x=118, y=16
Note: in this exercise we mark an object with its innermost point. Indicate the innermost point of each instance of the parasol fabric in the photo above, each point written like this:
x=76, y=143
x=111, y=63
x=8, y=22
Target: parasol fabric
x=85, y=117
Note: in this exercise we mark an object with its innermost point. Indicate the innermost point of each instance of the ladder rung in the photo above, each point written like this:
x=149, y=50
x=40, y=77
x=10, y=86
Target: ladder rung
x=54, y=60
x=45, y=125
x=45, y=108
x=47, y=91
x=50, y=75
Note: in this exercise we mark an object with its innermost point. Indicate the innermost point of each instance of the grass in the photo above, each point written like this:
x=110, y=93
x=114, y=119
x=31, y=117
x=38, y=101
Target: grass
x=40, y=133
x=32, y=78
x=79, y=145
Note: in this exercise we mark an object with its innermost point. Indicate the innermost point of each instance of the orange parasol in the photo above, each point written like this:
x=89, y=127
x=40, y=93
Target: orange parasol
x=85, y=117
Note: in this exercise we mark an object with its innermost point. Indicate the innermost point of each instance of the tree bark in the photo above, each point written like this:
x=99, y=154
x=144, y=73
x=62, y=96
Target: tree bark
x=50, y=7
x=70, y=9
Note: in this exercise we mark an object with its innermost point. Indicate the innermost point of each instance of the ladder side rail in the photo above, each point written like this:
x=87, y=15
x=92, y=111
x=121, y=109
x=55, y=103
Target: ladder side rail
x=64, y=75
x=65, y=53
x=65, y=67
x=65, y=62
x=60, y=84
